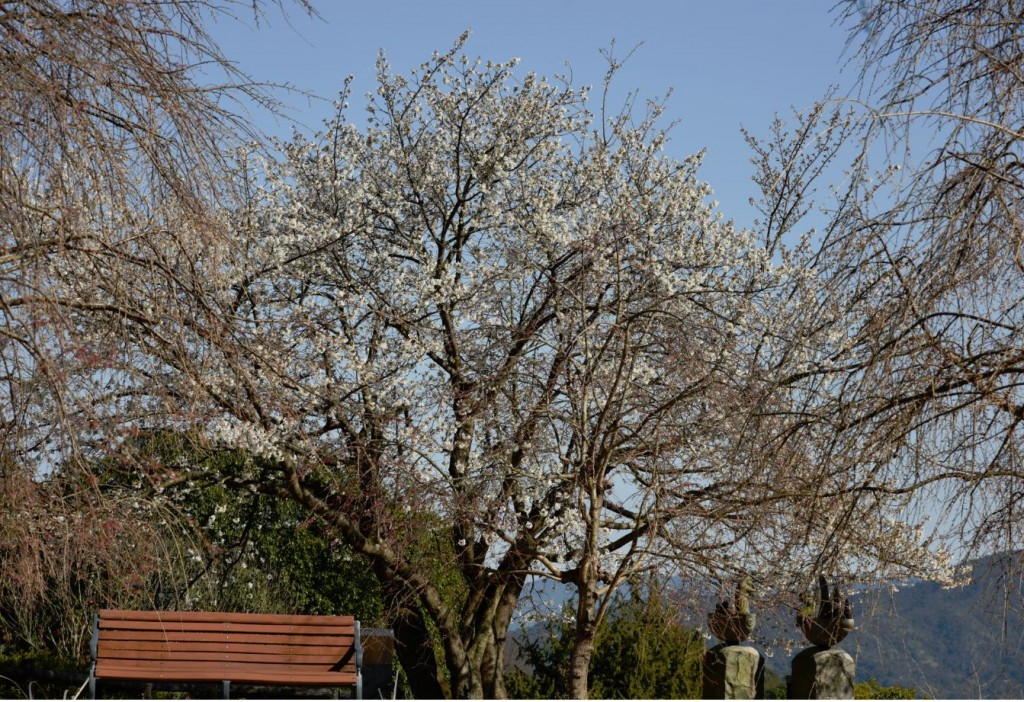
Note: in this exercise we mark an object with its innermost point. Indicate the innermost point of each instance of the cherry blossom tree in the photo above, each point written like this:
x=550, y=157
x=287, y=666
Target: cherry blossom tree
x=492, y=287
x=495, y=334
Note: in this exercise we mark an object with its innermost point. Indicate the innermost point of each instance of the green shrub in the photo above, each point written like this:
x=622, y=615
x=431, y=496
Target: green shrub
x=641, y=652
x=871, y=689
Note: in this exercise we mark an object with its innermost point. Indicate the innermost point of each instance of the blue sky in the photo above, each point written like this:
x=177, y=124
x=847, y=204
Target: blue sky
x=729, y=62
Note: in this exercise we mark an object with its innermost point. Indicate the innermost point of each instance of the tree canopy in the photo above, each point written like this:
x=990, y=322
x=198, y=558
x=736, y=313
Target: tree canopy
x=919, y=263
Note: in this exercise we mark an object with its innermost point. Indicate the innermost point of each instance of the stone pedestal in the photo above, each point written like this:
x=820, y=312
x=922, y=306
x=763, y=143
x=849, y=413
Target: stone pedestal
x=821, y=673
x=733, y=672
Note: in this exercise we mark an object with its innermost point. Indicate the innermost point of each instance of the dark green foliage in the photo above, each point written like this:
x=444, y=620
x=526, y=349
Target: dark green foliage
x=641, y=652
x=251, y=551
x=774, y=685
x=872, y=690
x=432, y=548
x=646, y=654
x=546, y=655
x=266, y=556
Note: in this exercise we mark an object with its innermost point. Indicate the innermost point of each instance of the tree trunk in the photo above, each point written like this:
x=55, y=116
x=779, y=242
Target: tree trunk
x=491, y=671
x=579, y=664
x=466, y=682
x=479, y=675
x=586, y=634
x=481, y=669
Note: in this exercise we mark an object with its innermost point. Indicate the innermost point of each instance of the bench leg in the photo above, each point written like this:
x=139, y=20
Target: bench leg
x=225, y=689
x=94, y=644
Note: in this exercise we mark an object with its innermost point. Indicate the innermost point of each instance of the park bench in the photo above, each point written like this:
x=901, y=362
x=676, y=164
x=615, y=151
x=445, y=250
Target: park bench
x=258, y=649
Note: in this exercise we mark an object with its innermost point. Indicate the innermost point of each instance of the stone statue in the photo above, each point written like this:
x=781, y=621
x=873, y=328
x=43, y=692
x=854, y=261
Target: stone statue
x=733, y=671
x=733, y=622
x=823, y=671
x=834, y=620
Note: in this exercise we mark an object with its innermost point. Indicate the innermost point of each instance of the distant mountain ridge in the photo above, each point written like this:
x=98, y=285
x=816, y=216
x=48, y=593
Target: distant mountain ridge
x=958, y=643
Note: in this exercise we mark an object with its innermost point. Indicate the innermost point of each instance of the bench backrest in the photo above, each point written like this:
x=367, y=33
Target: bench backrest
x=266, y=649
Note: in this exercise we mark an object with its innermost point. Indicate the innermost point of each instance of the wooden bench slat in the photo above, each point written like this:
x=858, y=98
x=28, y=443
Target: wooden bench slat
x=170, y=616
x=108, y=648
x=228, y=669
x=255, y=677
x=224, y=627
x=226, y=656
x=296, y=639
